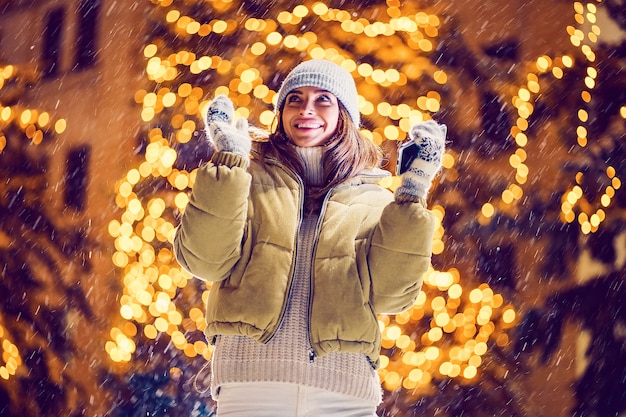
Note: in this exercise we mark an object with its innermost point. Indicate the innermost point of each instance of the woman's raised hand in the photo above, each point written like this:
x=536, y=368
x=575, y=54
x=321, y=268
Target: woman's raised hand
x=221, y=129
x=430, y=137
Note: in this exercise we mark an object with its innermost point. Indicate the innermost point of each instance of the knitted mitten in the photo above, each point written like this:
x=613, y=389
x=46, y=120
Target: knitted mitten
x=221, y=129
x=415, y=182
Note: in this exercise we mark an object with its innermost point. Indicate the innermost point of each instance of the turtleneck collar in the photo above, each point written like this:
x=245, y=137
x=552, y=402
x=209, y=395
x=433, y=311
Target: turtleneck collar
x=312, y=161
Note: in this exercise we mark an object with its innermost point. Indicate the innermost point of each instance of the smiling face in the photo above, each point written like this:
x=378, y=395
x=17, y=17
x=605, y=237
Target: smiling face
x=310, y=116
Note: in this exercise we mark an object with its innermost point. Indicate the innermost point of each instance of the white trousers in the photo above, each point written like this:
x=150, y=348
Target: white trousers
x=276, y=399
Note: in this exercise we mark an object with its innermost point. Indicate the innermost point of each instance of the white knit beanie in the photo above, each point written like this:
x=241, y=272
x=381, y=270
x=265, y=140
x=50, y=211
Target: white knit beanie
x=327, y=76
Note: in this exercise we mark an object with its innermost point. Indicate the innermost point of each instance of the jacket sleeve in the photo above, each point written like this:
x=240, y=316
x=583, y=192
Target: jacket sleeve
x=399, y=255
x=208, y=240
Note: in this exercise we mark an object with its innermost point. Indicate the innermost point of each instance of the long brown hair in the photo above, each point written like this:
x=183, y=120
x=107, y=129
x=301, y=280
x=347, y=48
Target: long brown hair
x=346, y=153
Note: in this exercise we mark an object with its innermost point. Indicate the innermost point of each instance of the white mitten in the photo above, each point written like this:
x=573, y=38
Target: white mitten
x=222, y=130
x=415, y=181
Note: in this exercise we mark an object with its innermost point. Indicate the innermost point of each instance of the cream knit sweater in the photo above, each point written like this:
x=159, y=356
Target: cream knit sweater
x=287, y=356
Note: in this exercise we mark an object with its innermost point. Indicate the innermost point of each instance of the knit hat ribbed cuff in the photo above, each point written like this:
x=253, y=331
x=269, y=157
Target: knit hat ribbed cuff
x=327, y=76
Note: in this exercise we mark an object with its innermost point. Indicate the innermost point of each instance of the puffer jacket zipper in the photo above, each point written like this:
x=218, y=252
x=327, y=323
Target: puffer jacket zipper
x=318, y=225
x=295, y=253
x=313, y=353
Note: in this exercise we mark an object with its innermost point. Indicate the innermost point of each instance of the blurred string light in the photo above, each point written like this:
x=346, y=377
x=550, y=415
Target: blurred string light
x=34, y=124
x=462, y=321
x=462, y=324
x=574, y=198
x=11, y=358
x=589, y=221
x=152, y=278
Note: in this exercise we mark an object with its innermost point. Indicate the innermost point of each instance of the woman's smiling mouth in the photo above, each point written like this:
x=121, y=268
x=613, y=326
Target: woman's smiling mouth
x=308, y=125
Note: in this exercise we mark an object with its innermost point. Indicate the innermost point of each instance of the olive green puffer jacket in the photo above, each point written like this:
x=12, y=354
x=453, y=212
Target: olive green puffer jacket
x=239, y=231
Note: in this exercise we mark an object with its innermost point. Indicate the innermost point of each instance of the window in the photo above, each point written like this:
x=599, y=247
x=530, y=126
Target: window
x=52, y=41
x=86, y=38
x=76, y=177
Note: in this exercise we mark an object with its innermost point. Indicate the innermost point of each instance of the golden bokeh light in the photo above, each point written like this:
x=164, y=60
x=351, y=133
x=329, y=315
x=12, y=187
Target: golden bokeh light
x=10, y=356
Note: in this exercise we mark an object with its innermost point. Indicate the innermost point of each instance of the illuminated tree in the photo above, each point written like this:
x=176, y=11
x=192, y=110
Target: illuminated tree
x=39, y=290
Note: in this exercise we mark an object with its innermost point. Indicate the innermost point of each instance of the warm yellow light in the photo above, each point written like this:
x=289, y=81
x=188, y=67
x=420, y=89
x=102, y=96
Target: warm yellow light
x=393, y=332
x=488, y=210
x=476, y=295
x=300, y=11
x=249, y=75
x=43, y=119
x=365, y=70
x=150, y=50
x=384, y=361
x=435, y=334
x=6, y=114
x=220, y=26
x=274, y=38
x=172, y=16
x=508, y=316
x=432, y=353
x=442, y=319
x=391, y=132
x=60, y=126
x=543, y=63
x=521, y=139
x=320, y=8
x=470, y=372
x=392, y=380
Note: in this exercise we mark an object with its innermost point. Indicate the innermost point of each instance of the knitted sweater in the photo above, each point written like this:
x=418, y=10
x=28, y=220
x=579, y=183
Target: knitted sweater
x=287, y=356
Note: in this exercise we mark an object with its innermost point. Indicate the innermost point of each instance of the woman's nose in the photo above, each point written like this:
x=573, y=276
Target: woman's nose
x=307, y=107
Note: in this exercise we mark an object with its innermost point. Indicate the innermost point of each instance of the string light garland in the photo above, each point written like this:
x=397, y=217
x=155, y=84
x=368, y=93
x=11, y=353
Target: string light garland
x=574, y=197
x=589, y=221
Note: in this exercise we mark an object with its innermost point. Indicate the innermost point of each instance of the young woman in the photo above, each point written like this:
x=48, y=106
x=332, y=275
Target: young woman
x=304, y=249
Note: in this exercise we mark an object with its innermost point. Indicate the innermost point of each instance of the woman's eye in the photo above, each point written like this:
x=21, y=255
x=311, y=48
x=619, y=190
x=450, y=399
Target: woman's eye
x=293, y=99
x=325, y=98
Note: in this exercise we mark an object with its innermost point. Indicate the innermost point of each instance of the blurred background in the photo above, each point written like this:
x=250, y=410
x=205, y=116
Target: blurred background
x=522, y=312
